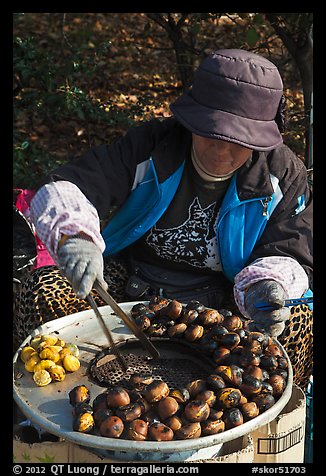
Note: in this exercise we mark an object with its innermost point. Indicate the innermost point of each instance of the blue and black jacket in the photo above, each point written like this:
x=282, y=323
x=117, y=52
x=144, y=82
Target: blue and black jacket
x=267, y=209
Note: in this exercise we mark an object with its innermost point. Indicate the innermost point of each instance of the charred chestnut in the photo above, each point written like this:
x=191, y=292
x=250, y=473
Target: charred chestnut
x=229, y=340
x=215, y=414
x=232, y=418
x=112, y=427
x=156, y=390
x=215, y=382
x=143, y=322
x=212, y=427
x=137, y=430
x=116, y=397
x=189, y=431
x=78, y=394
x=232, y=323
x=188, y=316
x=82, y=407
x=100, y=401
x=254, y=371
x=278, y=384
x=249, y=410
x=194, y=332
x=157, y=329
x=263, y=339
x=160, y=432
x=156, y=303
x=250, y=385
x=209, y=317
x=138, y=309
x=274, y=350
x=196, y=411
x=217, y=332
x=231, y=374
x=221, y=355
x=268, y=362
x=228, y=397
x=139, y=380
x=83, y=422
x=181, y=395
x=196, y=305
x=196, y=386
x=177, y=330
x=207, y=396
x=167, y=407
x=129, y=412
x=264, y=401
x=247, y=358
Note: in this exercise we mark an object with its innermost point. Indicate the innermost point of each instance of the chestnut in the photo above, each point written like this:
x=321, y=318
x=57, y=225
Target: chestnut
x=173, y=309
x=143, y=322
x=138, y=309
x=83, y=422
x=254, y=346
x=250, y=385
x=232, y=323
x=263, y=339
x=156, y=303
x=232, y=418
x=82, y=407
x=78, y=394
x=196, y=386
x=189, y=431
x=167, y=407
x=231, y=374
x=266, y=387
x=160, y=432
x=209, y=317
x=268, y=362
x=217, y=331
x=212, y=427
x=181, y=395
x=137, y=430
x=228, y=397
x=116, y=397
x=139, y=380
x=229, y=340
x=156, y=390
x=264, y=401
x=194, y=332
x=254, y=370
x=129, y=412
x=247, y=357
x=220, y=355
x=177, y=330
x=207, y=344
x=278, y=384
x=101, y=414
x=249, y=410
x=157, y=329
x=196, y=305
x=174, y=422
x=282, y=363
x=100, y=401
x=207, y=396
x=274, y=350
x=188, y=316
x=196, y=411
x=111, y=427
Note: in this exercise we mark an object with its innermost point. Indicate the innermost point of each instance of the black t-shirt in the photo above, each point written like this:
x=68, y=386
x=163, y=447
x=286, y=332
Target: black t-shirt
x=184, y=238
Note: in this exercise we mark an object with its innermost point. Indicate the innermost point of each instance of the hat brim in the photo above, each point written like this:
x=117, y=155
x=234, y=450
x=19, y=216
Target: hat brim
x=216, y=124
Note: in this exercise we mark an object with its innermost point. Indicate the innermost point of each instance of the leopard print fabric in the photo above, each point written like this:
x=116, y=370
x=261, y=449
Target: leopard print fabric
x=46, y=295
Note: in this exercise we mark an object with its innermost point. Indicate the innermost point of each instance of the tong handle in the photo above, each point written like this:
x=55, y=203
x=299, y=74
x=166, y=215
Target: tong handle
x=147, y=344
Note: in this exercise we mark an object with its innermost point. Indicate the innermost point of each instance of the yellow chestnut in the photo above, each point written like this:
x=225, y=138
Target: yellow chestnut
x=26, y=353
x=31, y=362
x=70, y=363
x=42, y=378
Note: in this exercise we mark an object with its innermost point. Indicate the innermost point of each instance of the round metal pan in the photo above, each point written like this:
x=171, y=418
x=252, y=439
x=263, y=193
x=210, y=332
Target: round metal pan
x=49, y=406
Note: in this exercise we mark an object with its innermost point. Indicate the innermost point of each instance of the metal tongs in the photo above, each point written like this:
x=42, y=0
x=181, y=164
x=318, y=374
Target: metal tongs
x=147, y=344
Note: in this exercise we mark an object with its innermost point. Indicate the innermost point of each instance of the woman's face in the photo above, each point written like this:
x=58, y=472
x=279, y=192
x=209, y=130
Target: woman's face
x=219, y=157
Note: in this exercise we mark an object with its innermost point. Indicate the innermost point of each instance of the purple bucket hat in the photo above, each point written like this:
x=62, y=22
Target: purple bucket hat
x=234, y=97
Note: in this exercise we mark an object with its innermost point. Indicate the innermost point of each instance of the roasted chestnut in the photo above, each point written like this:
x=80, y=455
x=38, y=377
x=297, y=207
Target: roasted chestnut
x=263, y=339
x=250, y=385
x=117, y=397
x=196, y=411
x=254, y=370
x=167, y=407
x=194, y=332
x=82, y=407
x=254, y=346
x=177, y=330
x=212, y=427
x=207, y=344
x=249, y=410
x=83, y=422
x=143, y=322
x=78, y=394
x=173, y=309
x=188, y=316
x=268, y=362
x=264, y=401
x=247, y=357
x=112, y=427
x=207, y=396
x=139, y=380
x=274, y=350
x=137, y=430
x=129, y=412
x=196, y=305
x=232, y=323
x=174, y=422
x=156, y=303
x=282, y=363
x=266, y=387
x=278, y=384
x=215, y=414
x=231, y=374
x=209, y=317
x=189, y=431
x=138, y=309
x=157, y=329
x=196, y=386
x=229, y=340
x=217, y=332
x=220, y=355
x=181, y=395
x=228, y=397
x=160, y=432
x=100, y=401
x=156, y=390
x=101, y=414
x=232, y=418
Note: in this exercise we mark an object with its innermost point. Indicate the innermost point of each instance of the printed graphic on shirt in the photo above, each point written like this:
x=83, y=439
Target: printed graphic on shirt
x=192, y=242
